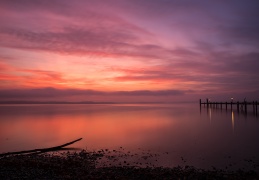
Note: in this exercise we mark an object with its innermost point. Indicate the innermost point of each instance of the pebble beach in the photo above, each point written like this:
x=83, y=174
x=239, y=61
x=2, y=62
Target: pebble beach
x=93, y=165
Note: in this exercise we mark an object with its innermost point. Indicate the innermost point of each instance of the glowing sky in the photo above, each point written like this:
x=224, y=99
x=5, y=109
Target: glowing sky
x=129, y=50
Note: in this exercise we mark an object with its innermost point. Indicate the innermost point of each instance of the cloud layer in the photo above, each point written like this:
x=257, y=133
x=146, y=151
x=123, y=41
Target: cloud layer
x=118, y=47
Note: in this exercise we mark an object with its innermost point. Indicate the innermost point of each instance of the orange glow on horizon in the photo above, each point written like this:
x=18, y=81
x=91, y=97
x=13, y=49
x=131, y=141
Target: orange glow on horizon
x=82, y=73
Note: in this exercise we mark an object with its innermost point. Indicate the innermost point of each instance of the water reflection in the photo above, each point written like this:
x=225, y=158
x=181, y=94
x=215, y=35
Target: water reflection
x=214, y=113
x=102, y=126
x=200, y=138
x=209, y=109
x=233, y=121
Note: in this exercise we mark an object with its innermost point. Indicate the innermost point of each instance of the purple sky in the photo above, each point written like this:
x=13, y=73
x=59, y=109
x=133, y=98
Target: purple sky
x=134, y=50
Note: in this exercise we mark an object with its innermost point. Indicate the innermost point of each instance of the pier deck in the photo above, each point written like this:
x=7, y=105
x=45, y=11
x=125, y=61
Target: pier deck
x=239, y=105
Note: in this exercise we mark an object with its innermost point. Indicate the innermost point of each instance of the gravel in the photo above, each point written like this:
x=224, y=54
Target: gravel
x=90, y=165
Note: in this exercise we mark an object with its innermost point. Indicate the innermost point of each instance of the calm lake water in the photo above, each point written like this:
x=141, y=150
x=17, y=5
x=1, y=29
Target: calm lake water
x=183, y=134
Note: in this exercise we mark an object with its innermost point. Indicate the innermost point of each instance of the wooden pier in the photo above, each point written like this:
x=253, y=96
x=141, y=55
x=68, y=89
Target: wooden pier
x=240, y=106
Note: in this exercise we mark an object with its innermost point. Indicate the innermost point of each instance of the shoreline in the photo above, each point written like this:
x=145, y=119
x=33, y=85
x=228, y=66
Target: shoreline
x=93, y=165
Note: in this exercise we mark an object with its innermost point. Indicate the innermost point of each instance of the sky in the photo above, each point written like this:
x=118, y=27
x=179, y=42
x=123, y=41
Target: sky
x=129, y=50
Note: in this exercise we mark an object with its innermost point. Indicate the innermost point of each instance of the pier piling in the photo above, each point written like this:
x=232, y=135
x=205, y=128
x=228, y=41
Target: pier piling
x=240, y=106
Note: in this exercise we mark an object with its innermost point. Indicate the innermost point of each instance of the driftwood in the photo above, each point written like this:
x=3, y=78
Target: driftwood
x=55, y=148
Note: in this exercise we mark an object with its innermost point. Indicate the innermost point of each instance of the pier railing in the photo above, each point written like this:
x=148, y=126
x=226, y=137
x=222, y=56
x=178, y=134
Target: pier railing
x=239, y=105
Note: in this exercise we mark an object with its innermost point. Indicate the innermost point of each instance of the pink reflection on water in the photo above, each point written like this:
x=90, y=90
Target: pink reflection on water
x=190, y=136
x=99, y=129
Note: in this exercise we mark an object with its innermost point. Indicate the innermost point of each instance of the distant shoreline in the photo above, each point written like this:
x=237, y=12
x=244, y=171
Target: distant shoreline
x=53, y=102
x=84, y=102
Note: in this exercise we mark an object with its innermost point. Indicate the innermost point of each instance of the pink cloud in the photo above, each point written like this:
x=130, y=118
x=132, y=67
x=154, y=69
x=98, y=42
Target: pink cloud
x=129, y=45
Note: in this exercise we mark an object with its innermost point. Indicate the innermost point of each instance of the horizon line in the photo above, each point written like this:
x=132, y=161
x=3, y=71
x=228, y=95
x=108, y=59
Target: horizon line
x=91, y=102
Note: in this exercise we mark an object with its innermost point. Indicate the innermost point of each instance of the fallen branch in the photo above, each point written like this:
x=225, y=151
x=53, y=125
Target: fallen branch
x=55, y=148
